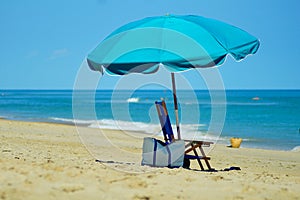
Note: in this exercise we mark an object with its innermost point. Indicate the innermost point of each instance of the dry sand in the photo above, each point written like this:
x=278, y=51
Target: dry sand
x=49, y=161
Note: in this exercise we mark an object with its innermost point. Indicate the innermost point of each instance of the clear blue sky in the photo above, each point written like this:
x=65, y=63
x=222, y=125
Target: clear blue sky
x=43, y=43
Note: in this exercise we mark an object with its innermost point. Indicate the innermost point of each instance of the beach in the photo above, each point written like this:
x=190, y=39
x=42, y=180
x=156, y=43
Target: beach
x=49, y=161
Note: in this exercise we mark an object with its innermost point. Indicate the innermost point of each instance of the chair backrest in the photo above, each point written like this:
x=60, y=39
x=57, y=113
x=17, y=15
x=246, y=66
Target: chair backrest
x=165, y=121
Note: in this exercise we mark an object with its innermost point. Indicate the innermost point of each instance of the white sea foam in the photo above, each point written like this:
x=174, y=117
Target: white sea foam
x=188, y=131
x=133, y=100
x=74, y=121
x=126, y=126
x=296, y=149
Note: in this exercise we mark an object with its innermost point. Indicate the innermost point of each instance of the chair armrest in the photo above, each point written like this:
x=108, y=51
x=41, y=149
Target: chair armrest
x=199, y=142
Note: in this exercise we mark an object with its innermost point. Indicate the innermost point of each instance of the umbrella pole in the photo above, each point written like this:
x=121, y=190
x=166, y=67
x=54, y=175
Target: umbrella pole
x=175, y=105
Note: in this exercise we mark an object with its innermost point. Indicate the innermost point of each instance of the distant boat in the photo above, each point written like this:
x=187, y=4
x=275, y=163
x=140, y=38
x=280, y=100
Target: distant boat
x=255, y=98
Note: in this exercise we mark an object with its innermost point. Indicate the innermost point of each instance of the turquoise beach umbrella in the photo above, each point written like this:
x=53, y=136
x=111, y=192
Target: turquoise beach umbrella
x=176, y=42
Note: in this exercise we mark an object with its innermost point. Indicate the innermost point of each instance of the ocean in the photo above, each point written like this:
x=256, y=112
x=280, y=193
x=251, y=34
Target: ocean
x=267, y=119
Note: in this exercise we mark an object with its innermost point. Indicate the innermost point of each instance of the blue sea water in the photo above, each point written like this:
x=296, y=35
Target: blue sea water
x=267, y=119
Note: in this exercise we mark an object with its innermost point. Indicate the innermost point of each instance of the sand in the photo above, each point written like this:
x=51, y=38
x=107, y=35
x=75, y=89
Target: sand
x=50, y=161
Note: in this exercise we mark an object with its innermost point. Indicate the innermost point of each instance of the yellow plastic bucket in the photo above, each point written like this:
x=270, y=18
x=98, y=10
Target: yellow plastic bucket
x=235, y=142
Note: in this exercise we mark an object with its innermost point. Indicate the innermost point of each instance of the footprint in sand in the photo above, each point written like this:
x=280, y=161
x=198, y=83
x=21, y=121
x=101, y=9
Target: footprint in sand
x=217, y=178
x=139, y=184
x=70, y=188
x=138, y=197
x=189, y=179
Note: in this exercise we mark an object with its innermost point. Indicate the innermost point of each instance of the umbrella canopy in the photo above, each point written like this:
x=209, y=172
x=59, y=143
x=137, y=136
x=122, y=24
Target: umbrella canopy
x=178, y=43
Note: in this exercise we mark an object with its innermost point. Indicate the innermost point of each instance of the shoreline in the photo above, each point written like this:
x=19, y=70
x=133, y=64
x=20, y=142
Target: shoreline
x=221, y=142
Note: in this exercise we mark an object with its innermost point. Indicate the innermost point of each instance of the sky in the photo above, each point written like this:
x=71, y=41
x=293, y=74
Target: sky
x=43, y=43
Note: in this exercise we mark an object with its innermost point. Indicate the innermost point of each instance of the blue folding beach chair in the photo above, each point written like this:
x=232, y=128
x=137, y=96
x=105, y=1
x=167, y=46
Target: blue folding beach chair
x=190, y=146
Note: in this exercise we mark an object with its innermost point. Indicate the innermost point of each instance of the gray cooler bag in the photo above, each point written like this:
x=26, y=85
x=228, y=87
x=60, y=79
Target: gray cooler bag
x=158, y=154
